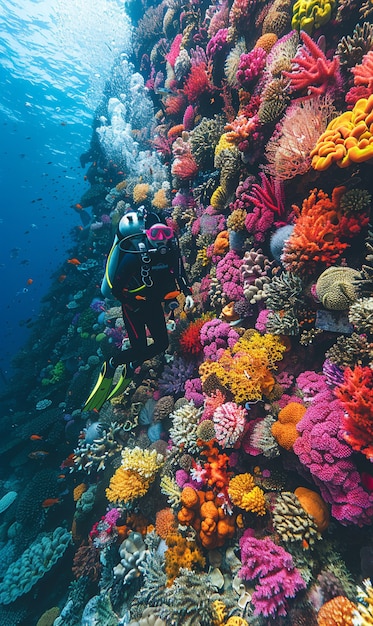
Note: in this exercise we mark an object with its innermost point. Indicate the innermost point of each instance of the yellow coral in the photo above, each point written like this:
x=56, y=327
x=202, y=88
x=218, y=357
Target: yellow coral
x=219, y=611
x=245, y=369
x=219, y=198
x=146, y=463
x=238, y=485
x=254, y=501
x=347, y=139
x=235, y=620
x=311, y=14
x=140, y=192
x=160, y=199
x=126, y=485
x=223, y=144
x=245, y=494
x=78, y=491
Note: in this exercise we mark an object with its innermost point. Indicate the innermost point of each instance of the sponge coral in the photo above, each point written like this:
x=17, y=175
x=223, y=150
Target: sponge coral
x=284, y=429
x=134, y=477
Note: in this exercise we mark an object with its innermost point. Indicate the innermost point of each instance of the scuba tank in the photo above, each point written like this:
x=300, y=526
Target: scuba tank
x=131, y=225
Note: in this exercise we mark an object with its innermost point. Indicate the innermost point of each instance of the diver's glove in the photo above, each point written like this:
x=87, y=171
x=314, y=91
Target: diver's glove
x=189, y=303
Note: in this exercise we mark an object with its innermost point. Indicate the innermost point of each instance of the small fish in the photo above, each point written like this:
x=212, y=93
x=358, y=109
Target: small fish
x=30, y=281
x=38, y=454
x=36, y=437
x=68, y=462
x=61, y=278
x=74, y=261
x=50, y=502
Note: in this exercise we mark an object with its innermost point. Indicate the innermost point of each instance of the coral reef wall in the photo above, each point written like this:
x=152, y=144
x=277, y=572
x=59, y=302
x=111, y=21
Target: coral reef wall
x=231, y=483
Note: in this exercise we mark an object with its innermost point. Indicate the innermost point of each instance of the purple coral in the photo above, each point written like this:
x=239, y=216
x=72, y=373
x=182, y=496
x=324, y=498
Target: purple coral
x=193, y=391
x=250, y=66
x=229, y=275
x=323, y=450
x=174, y=376
x=216, y=336
x=278, y=579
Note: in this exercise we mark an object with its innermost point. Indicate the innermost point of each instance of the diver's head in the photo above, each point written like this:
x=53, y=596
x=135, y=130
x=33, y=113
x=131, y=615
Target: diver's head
x=132, y=223
x=158, y=235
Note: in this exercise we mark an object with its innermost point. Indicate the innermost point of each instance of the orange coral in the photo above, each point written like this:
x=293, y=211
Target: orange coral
x=175, y=131
x=347, y=139
x=160, y=199
x=284, y=429
x=240, y=129
x=181, y=552
x=316, y=241
x=213, y=525
x=266, y=41
x=221, y=243
x=315, y=506
x=78, y=491
x=140, y=192
x=356, y=395
x=336, y=612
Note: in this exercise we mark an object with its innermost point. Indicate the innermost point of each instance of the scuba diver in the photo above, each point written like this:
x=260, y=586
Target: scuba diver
x=144, y=271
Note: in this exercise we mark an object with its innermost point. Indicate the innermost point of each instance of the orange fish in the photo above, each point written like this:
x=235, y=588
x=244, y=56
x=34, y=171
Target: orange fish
x=36, y=437
x=78, y=206
x=50, y=502
x=68, y=462
x=30, y=281
x=61, y=278
x=74, y=261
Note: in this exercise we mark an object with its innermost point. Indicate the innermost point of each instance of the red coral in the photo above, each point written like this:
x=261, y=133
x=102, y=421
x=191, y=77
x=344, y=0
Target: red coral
x=184, y=167
x=87, y=562
x=317, y=238
x=312, y=71
x=190, y=342
x=356, y=397
x=197, y=83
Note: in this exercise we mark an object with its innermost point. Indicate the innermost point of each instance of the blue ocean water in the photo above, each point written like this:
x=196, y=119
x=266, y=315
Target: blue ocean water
x=55, y=58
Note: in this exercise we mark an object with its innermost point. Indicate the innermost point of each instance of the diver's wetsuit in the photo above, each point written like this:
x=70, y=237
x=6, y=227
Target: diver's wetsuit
x=141, y=282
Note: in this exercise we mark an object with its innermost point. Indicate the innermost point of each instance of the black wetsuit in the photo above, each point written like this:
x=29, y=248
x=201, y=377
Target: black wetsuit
x=142, y=281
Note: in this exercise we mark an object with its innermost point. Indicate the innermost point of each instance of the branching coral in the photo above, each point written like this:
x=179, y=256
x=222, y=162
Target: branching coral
x=312, y=71
x=320, y=232
x=184, y=426
x=229, y=420
x=363, y=613
x=245, y=370
x=356, y=396
x=278, y=579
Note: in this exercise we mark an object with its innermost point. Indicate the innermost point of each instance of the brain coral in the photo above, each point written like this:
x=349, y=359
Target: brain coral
x=310, y=14
x=348, y=138
x=335, y=288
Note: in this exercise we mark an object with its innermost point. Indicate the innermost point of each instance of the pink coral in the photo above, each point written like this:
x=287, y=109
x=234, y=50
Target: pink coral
x=269, y=201
x=174, y=52
x=229, y=420
x=322, y=448
x=229, y=275
x=217, y=43
x=216, y=336
x=250, y=66
x=278, y=579
x=312, y=71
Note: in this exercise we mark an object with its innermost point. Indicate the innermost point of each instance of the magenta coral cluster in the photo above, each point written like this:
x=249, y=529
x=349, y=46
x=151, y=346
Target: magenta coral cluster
x=250, y=66
x=216, y=336
x=273, y=568
x=229, y=275
x=322, y=448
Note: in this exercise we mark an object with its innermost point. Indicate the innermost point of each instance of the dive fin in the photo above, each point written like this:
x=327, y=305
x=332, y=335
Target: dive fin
x=101, y=389
x=123, y=382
